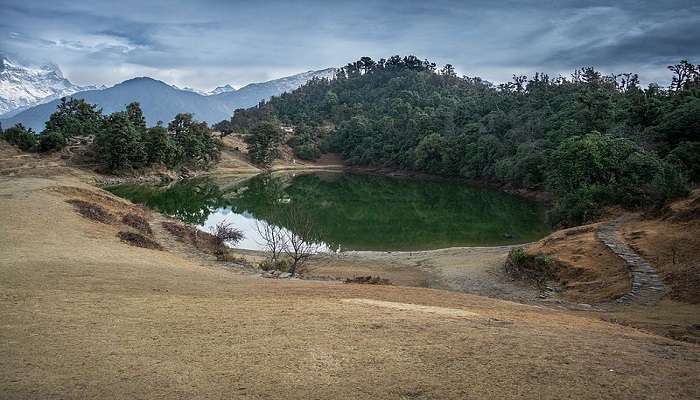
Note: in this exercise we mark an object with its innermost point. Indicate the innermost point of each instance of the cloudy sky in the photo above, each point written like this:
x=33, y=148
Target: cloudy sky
x=203, y=44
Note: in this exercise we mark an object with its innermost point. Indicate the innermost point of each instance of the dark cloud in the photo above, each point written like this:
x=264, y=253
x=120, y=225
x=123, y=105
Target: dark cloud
x=207, y=43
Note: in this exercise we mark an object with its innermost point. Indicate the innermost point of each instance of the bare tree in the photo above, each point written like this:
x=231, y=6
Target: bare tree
x=300, y=245
x=226, y=233
x=273, y=238
x=683, y=73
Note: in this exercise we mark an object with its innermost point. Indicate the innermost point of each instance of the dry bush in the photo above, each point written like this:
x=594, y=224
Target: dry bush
x=226, y=233
x=92, y=211
x=368, y=280
x=191, y=235
x=137, y=222
x=138, y=240
x=226, y=256
x=281, y=264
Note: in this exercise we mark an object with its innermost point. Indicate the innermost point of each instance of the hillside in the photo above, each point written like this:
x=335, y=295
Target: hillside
x=161, y=102
x=590, y=139
x=87, y=315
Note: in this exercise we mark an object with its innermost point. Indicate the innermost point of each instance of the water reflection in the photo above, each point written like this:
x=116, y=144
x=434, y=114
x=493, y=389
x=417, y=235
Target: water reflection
x=352, y=211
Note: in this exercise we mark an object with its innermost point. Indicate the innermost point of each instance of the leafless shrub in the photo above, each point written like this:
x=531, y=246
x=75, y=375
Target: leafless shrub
x=138, y=240
x=92, y=211
x=300, y=245
x=272, y=238
x=137, y=222
x=225, y=232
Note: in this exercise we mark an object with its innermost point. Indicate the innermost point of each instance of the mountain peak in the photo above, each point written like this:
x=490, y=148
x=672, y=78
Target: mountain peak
x=222, y=89
x=22, y=86
x=162, y=101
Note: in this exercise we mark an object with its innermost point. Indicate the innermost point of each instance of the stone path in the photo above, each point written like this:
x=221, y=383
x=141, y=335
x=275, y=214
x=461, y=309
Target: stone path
x=647, y=286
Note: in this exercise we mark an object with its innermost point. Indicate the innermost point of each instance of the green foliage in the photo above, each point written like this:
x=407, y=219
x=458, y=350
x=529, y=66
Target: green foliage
x=51, y=141
x=75, y=117
x=679, y=124
x=537, y=268
x=225, y=127
x=518, y=257
x=687, y=157
x=431, y=154
x=121, y=144
x=307, y=151
x=262, y=143
x=25, y=139
x=197, y=146
x=596, y=170
x=404, y=113
x=161, y=148
x=125, y=142
x=135, y=114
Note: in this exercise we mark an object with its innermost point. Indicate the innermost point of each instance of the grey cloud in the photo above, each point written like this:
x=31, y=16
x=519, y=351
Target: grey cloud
x=204, y=44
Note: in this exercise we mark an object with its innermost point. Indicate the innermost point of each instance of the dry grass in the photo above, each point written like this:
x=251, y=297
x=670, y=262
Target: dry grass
x=137, y=222
x=138, y=240
x=84, y=316
x=92, y=211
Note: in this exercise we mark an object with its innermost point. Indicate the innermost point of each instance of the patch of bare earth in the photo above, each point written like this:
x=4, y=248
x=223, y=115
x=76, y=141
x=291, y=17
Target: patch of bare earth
x=583, y=268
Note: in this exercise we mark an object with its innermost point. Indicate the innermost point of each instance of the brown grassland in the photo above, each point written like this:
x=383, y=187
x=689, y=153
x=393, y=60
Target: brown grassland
x=85, y=315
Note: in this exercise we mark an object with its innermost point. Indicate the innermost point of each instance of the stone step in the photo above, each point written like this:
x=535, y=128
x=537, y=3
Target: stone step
x=647, y=287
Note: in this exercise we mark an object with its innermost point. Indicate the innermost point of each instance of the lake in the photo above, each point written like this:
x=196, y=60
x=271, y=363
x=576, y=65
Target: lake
x=351, y=211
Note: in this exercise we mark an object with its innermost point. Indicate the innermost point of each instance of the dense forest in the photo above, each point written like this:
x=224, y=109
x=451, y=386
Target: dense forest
x=590, y=139
x=121, y=141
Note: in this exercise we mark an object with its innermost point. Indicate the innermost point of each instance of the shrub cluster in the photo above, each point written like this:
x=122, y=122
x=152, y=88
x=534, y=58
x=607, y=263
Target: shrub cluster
x=122, y=140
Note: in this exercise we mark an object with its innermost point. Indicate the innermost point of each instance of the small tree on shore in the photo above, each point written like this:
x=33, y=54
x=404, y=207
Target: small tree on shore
x=262, y=143
x=272, y=238
x=300, y=245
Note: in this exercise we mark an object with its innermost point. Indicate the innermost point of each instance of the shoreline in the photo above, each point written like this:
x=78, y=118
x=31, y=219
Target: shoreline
x=219, y=171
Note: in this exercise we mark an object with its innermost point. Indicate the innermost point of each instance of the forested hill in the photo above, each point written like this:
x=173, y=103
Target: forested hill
x=591, y=139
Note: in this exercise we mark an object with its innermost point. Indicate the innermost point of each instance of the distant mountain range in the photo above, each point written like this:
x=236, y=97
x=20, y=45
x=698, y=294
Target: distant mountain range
x=159, y=100
x=23, y=86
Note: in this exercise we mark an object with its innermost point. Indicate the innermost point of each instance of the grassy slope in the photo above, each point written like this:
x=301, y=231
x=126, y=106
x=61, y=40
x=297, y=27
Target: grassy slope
x=85, y=315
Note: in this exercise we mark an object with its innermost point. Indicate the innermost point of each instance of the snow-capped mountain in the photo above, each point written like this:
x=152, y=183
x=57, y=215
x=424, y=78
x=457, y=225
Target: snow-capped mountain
x=24, y=86
x=290, y=83
x=189, y=89
x=222, y=89
x=161, y=101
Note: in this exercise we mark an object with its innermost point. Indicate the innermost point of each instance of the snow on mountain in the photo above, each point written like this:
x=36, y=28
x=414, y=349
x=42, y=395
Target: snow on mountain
x=161, y=101
x=24, y=86
x=290, y=83
x=221, y=89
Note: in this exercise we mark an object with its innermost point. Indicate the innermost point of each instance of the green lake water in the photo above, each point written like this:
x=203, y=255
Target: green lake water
x=352, y=211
